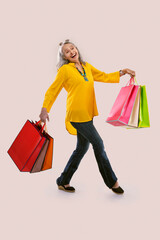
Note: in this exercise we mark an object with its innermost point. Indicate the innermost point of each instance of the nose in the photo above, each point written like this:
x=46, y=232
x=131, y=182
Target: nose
x=72, y=52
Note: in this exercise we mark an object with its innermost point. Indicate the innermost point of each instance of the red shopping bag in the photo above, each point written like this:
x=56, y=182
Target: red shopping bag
x=27, y=146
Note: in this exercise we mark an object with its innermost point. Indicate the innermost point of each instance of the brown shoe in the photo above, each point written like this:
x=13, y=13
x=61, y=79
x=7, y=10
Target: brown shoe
x=118, y=190
x=66, y=189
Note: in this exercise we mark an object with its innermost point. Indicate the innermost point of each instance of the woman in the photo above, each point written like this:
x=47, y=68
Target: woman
x=77, y=77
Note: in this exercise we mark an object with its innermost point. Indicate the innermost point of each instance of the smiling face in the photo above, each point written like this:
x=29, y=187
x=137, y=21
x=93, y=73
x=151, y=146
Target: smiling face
x=70, y=52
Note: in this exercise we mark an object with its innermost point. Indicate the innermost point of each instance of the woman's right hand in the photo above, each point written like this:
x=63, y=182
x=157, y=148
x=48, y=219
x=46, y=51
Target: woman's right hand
x=129, y=71
x=44, y=115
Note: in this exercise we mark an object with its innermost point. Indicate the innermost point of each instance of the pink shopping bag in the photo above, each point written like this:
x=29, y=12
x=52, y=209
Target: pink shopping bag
x=126, y=107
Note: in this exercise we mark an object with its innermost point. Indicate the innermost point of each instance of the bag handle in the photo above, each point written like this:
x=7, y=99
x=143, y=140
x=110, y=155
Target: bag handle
x=44, y=126
x=132, y=81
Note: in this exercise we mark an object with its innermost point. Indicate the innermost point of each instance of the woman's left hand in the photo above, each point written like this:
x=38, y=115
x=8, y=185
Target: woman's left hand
x=129, y=71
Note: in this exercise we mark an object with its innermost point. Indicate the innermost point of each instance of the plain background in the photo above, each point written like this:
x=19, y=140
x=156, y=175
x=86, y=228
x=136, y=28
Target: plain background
x=111, y=35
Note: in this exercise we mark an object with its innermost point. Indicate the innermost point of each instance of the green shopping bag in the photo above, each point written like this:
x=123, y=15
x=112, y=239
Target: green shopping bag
x=143, y=120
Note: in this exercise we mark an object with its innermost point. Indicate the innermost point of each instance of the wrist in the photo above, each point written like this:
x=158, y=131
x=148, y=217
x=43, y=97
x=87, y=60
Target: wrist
x=44, y=109
x=122, y=72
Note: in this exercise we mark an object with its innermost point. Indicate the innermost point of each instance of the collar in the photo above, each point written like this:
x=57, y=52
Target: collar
x=73, y=64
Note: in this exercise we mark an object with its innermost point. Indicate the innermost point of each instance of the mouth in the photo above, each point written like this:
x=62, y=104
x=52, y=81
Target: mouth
x=74, y=55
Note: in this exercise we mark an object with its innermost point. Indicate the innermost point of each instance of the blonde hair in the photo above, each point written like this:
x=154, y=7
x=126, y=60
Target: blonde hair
x=60, y=57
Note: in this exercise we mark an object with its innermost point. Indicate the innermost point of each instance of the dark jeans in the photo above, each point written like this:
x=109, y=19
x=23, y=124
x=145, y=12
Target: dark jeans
x=86, y=134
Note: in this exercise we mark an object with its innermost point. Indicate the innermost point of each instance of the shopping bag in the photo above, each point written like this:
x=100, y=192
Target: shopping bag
x=125, y=109
x=40, y=159
x=47, y=164
x=143, y=110
x=27, y=146
x=133, y=121
x=45, y=158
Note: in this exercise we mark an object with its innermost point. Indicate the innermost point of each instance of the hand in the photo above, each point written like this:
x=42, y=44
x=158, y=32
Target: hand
x=129, y=71
x=44, y=115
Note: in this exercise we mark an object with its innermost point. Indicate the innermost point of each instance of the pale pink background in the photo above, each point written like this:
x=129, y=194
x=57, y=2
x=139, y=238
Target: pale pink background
x=111, y=35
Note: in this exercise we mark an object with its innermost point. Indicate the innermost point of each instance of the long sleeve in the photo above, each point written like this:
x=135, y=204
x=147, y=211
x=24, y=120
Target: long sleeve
x=100, y=76
x=55, y=88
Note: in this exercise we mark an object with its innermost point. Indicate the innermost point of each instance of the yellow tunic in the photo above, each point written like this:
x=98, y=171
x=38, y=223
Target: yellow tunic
x=81, y=101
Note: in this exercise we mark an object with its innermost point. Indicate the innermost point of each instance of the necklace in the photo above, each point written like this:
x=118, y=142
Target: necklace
x=84, y=75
